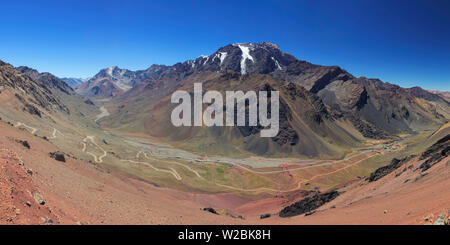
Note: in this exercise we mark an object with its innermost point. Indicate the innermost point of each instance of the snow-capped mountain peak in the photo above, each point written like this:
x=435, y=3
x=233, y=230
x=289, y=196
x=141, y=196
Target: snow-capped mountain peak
x=245, y=58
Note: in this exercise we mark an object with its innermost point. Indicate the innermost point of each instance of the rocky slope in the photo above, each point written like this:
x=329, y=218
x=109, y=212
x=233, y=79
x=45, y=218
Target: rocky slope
x=310, y=127
x=377, y=108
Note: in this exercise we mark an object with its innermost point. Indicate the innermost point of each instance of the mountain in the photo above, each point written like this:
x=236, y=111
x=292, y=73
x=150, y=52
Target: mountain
x=74, y=82
x=22, y=93
x=113, y=81
x=368, y=99
x=47, y=79
x=307, y=126
x=341, y=108
x=59, y=151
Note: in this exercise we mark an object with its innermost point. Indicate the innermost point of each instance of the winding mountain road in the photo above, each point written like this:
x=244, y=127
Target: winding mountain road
x=172, y=171
x=180, y=164
x=54, y=133
x=31, y=129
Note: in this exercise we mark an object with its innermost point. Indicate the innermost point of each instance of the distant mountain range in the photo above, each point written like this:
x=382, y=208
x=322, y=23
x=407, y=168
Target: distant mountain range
x=323, y=106
x=74, y=82
x=444, y=94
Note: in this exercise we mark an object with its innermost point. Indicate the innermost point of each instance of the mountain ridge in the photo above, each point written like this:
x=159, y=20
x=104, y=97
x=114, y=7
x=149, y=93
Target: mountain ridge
x=374, y=108
x=73, y=81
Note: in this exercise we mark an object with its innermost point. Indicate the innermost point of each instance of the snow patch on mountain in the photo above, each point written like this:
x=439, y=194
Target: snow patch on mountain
x=222, y=56
x=245, y=56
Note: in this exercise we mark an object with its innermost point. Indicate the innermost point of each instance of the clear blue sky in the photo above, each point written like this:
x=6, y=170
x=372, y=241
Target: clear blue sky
x=403, y=42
